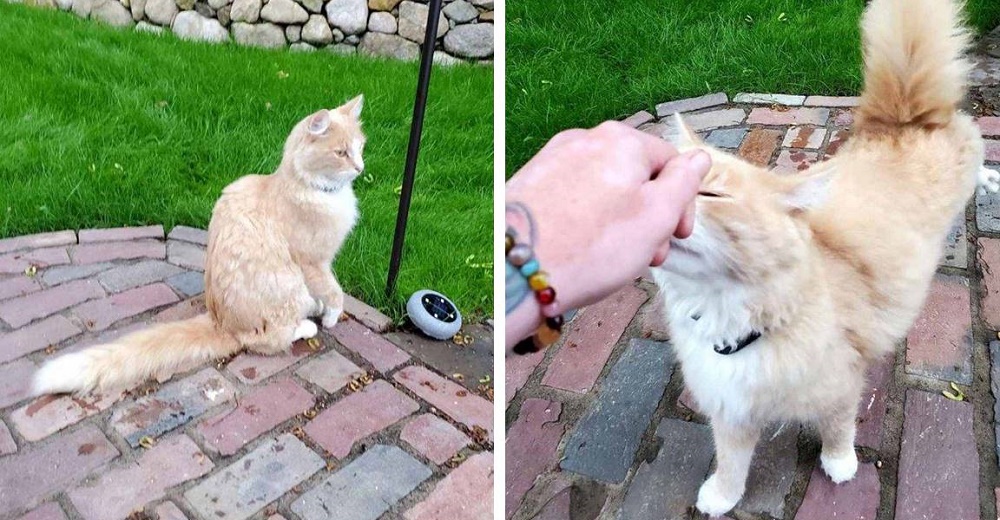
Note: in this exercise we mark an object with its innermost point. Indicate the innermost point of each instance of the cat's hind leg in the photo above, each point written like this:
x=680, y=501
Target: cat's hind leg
x=837, y=432
x=989, y=180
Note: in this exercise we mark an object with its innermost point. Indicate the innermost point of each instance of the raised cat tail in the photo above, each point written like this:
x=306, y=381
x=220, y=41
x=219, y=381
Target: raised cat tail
x=916, y=72
x=136, y=357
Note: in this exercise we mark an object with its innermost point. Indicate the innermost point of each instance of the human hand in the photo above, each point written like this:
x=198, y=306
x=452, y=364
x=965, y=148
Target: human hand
x=605, y=202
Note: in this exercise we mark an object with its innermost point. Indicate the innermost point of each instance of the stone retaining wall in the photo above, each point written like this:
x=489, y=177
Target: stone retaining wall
x=392, y=28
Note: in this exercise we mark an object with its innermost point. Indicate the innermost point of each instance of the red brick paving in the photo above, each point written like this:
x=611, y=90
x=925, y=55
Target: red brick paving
x=452, y=399
x=205, y=418
x=465, y=494
x=759, y=145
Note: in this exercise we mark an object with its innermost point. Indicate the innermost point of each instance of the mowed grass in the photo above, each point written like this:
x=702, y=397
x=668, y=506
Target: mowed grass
x=575, y=64
x=101, y=128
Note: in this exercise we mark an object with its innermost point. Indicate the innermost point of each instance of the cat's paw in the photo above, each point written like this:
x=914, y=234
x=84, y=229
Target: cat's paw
x=306, y=329
x=989, y=180
x=331, y=316
x=841, y=468
x=714, y=501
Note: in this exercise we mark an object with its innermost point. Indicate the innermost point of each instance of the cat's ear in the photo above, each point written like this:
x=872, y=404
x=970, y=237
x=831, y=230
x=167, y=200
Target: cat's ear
x=680, y=134
x=319, y=122
x=808, y=191
x=354, y=106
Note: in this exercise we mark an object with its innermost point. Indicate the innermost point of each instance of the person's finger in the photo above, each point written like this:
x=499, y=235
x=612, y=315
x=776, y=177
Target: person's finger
x=672, y=194
x=654, y=151
x=660, y=256
x=686, y=226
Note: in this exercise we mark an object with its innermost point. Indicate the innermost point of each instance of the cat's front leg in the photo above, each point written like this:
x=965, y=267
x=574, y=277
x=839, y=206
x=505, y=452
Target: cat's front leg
x=324, y=287
x=734, y=445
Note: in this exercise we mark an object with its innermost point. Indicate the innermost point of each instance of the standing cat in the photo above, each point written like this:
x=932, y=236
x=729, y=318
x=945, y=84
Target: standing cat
x=792, y=285
x=271, y=241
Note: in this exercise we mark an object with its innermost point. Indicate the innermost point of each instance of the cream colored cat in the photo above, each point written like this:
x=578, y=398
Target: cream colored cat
x=830, y=266
x=271, y=241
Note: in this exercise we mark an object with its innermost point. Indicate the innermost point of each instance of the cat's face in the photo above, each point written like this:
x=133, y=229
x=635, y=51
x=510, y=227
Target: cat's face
x=330, y=144
x=748, y=223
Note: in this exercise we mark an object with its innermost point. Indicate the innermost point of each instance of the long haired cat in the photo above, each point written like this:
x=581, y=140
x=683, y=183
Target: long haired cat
x=271, y=241
x=791, y=286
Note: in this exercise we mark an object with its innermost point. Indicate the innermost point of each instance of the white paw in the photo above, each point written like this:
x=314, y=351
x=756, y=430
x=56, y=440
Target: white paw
x=989, y=180
x=331, y=316
x=840, y=469
x=305, y=330
x=712, y=501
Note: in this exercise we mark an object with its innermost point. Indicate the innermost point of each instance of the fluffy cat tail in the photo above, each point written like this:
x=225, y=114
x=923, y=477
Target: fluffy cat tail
x=916, y=72
x=136, y=357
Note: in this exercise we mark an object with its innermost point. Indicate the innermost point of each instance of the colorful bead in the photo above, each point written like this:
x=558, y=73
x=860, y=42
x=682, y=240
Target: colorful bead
x=545, y=336
x=551, y=309
x=508, y=244
x=519, y=255
x=555, y=322
x=546, y=296
x=538, y=281
x=530, y=268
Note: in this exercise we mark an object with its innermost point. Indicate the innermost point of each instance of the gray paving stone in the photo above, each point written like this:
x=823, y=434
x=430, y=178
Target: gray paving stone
x=605, y=441
x=172, y=406
x=365, y=488
x=189, y=234
x=769, y=99
x=66, y=273
x=995, y=387
x=772, y=472
x=728, y=138
x=131, y=276
x=638, y=119
x=938, y=462
x=472, y=361
x=667, y=486
x=188, y=283
x=988, y=212
x=956, y=245
x=257, y=479
x=687, y=105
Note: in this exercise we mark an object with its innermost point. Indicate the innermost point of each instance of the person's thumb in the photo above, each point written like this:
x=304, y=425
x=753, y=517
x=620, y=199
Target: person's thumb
x=671, y=195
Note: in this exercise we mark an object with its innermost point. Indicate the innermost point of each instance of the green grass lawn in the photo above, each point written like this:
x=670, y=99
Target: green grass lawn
x=572, y=64
x=101, y=127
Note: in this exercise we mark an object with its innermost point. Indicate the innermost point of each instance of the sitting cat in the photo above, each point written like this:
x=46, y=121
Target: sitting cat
x=271, y=241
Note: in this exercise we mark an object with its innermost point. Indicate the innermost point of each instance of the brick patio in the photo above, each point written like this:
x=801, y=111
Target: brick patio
x=367, y=423
x=600, y=424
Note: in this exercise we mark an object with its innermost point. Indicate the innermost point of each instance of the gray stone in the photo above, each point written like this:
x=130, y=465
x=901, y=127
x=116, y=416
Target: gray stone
x=353, y=39
x=383, y=5
x=245, y=11
x=147, y=27
x=257, y=479
x=605, y=441
x=223, y=15
x=956, y=245
x=217, y=4
x=284, y=12
x=188, y=283
x=317, y=31
x=988, y=212
x=172, y=406
x=341, y=49
x=638, y=119
x=473, y=361
x=293, y=33
x=60, y=274
x=772, y=472
x=204, y=9
x=938, y=462
x=687, y=105
x=185, y=5
x=390, y=45
x=161, y=12
x=110, y=12
x=413, y=21
x=470, y=41
x=364, y=489
x=461, y=11
x=138, y=9
x=301, y=47
x=382, y=22
x=313, y=6
x=131, y=276
x=769, y=99
x=727, y=138
x=667, y=486
x=485, y=4
x=444, y=59
x=338, y=35
x=350, y=16
x=265, y=35
x=189, y=25
x=995, y=387
x=985, y=71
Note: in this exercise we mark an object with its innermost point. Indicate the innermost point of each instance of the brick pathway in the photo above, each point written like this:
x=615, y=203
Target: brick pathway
x=361, y=425
x=600, y=424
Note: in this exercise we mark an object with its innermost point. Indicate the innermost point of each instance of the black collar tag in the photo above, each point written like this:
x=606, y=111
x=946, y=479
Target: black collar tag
x=726, y=349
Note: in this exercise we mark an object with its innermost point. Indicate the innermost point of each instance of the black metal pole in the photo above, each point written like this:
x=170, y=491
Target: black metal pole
x=416, y=128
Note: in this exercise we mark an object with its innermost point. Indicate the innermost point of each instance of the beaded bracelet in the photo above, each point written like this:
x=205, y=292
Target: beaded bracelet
x=522, y=257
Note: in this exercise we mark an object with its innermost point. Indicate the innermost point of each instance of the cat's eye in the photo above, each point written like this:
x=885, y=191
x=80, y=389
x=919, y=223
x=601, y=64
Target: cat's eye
x=712, y=194
x=340, y=153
